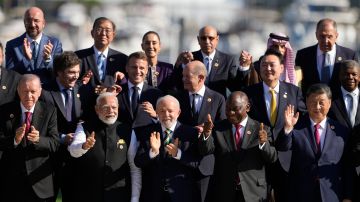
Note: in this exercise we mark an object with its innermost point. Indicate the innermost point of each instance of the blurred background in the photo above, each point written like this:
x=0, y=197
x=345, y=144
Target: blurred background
x=242, y=24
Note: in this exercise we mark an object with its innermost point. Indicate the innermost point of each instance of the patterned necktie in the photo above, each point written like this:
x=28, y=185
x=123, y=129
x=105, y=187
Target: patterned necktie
x=27, y=122
x=153, y=77
x=317, y=137
x=134, y=99
x=68, y=103
x=101, y=66
x=325, y=69
x=273, y=107
x=238, y=136
x=168, y=136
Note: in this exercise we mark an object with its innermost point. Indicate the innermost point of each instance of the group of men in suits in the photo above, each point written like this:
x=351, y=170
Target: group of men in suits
x=199, y=145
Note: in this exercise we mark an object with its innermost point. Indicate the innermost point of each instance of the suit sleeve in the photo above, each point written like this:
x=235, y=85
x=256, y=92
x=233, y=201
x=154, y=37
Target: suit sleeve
x=49, y=141
x=20, y=65
x=237, y=78
x=284, y=141
x=268, y=152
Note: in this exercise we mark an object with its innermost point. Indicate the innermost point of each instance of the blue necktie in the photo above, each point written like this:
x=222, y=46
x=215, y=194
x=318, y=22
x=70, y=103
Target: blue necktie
x=34, y=50
x=101, y=66
x=325, y=69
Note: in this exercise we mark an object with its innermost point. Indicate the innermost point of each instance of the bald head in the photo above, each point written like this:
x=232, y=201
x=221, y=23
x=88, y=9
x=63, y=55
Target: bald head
x=34, y=22
x=208, y=39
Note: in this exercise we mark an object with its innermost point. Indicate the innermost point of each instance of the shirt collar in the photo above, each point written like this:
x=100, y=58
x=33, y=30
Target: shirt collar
x=31, y=39
x=23, y=109
x=267, y=88
x=322, y=123
x=172, y=128
x=97, y=52
x=211, y=56
x=200, y=92
x=319, y=52
x=140, y=85
x=354, y=92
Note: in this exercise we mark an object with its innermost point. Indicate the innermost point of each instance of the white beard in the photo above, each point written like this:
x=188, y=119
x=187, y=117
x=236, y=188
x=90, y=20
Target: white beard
x=108, y=121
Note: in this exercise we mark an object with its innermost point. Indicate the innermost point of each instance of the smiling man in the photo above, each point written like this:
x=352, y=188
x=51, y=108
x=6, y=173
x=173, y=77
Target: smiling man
x=34, y=51
x=320, y=63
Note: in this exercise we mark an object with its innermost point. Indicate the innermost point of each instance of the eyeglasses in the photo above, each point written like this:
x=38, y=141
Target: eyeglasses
x=100, y=30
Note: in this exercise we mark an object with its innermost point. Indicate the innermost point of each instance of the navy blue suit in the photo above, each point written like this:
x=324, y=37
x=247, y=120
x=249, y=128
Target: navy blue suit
x=311, y=175
x=17, y=61
x=307, y=60
x=165, y=171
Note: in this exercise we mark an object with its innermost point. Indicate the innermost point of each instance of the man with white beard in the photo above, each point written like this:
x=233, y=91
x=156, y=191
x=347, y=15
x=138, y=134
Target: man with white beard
x=104, y=150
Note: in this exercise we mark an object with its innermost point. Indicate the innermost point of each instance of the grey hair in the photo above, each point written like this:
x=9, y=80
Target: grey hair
x=167, y=97
x=104, y=95
x=29, y=77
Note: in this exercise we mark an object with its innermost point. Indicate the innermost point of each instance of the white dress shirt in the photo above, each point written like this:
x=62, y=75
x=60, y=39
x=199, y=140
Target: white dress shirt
x=76, y=150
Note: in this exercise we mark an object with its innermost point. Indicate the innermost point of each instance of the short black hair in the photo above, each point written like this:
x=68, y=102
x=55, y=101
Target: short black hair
x=99, y=20
x=65, y=60
x=319, y=88
x=272, y=51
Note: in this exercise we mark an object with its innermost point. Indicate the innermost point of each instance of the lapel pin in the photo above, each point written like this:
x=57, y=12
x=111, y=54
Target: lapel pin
x=339, y=58
x=248, y=132
x=120, y=143
x=216, y=64
x=11, y=115
x=3, y=87
x=209, y=100
x=111, y=59
x=78, y=95
x=332, y=127
x=285, y=95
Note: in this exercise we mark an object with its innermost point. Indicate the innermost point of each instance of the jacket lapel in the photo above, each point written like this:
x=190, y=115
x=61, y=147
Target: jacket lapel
x=262, y=103
x=91, y=60
x=248, y=134
x=329, y=135
x=205, y=106
x=229, y=137
x=125, y=97
x=310, y=135
x=38, y=116
x=340, y=104
x=77, y=101
x=215, y=64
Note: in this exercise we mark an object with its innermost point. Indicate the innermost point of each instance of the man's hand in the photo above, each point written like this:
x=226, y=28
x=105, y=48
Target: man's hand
x=290, y=118
x=27, y=49
x=184, y=58
x=155, y=142
x=172, y=148
x=118, y=76
x=148, y=108
x=68, y=139
x=33, y=136
x=47, y=50
x=20, y=133
x=100, y=89
x=208, y=126
x=87, y=76
x=245, y=59
x=90, y=142
x=262, y=134
x=116, y=89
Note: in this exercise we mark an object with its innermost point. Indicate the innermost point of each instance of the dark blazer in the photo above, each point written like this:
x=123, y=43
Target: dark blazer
x=8, y=85
x=165, y=77
x=213, y=103
x=163, y=170
x=309, y=172
x=307, y=60
x=33, y=161
x=140, y=118
x=248, y=163
x=106, y=164
x=16, y=59
x=115, y=61
x=338, y=112
x=224, y=73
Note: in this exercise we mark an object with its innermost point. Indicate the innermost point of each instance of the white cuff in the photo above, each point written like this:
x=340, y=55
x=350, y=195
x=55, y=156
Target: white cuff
x=245, y=68
x=152, y=154
x=178, y=155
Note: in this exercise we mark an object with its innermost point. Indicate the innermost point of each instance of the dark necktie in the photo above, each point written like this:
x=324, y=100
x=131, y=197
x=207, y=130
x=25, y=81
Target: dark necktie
x=238, y=137
x=34, y=50
x=325, y=69
x=317, y=137
x=68, y=103
x=134, y=99
x=27, y=127
x=351, y=109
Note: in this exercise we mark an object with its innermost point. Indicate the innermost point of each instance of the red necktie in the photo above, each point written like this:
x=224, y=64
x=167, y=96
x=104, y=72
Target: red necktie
x=27, y=121
x=237, y=136
x=317, y=137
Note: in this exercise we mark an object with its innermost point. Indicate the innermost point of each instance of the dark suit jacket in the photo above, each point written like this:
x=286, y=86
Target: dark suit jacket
x=115, y=61
x=338, y=112
x=33, y=160
x=8, y=85
x=140, y=118
x=165, y=77
x=288, y=95
x=224, y=73
x=248, y=163
x=329, y=172
x=164, y=170
x=16, y=59
x=307, y=60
